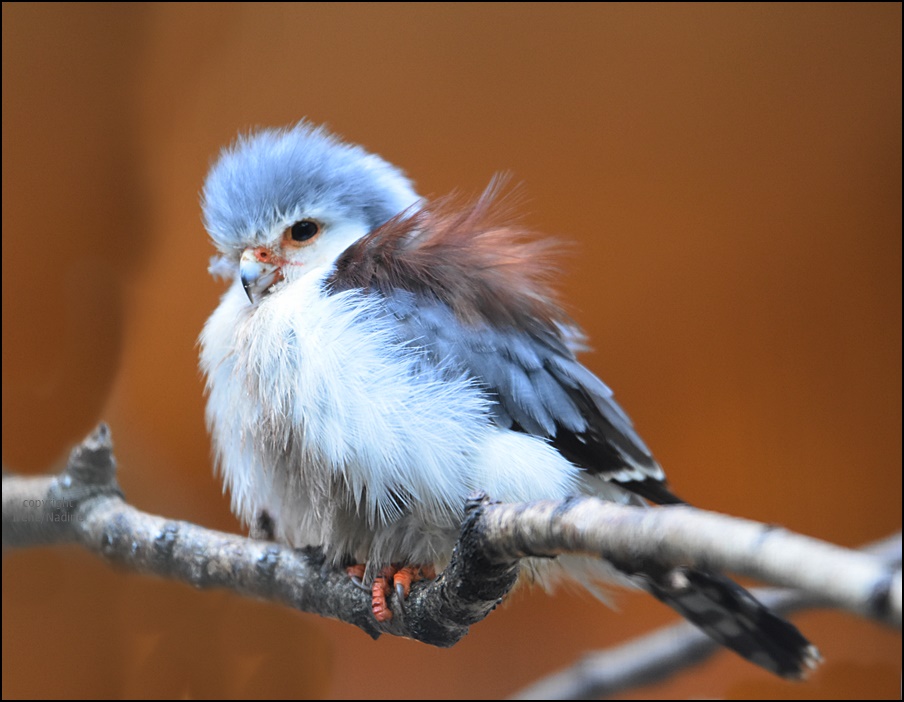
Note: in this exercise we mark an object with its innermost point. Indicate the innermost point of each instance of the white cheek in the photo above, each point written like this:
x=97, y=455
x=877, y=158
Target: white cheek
x=328, y=246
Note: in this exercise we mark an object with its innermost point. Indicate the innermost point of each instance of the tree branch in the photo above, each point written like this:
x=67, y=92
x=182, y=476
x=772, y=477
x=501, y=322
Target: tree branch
x=680, y=535
x=85, y=506
x=654, y=657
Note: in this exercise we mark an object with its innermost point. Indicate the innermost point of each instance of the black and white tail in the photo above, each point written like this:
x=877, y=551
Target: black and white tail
x=732, y=616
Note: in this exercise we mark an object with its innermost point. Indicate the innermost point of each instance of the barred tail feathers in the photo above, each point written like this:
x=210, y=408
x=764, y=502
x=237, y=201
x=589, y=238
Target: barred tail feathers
x=729, y=614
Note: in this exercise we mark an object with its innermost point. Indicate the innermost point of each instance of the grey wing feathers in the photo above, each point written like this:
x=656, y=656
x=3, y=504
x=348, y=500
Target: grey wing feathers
x=537, y=384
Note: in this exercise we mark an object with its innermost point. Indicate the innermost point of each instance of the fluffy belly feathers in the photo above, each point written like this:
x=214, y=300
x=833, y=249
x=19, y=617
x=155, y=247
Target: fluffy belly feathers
x=349, y=439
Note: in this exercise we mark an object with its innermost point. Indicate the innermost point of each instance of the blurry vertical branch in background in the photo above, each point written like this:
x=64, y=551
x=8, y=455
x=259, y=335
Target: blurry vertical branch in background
x=85, y=506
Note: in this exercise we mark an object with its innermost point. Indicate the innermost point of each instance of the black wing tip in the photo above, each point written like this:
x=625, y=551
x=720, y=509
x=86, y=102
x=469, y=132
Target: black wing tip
x=654, y=490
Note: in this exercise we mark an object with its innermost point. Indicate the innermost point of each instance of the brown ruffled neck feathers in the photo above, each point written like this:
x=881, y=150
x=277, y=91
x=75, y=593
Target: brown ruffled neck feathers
x=470, y=255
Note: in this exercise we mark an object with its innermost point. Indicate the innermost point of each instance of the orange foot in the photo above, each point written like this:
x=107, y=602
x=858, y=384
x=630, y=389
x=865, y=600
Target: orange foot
x=401, y=581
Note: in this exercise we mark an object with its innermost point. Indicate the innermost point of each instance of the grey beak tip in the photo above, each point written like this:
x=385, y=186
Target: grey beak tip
x=247, y=286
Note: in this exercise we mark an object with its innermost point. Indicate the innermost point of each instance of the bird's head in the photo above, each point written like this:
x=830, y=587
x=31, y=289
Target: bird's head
x=280, y=202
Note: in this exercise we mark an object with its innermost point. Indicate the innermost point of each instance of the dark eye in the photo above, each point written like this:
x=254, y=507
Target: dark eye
x=304, y=230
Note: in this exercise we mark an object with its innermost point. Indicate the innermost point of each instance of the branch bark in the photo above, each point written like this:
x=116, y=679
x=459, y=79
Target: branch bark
x=85, y=506
x=654, y=657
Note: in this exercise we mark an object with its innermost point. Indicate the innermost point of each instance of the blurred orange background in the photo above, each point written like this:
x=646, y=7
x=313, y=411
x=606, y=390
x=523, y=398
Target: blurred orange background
x=731, y=178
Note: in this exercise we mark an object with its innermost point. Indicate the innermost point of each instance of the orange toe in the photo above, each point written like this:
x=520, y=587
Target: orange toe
x=379, y=595
x=411, y=574
x=393, y=578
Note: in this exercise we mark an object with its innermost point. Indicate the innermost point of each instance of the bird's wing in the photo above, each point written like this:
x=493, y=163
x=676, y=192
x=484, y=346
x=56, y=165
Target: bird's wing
x=472, y=294
x=536, y=385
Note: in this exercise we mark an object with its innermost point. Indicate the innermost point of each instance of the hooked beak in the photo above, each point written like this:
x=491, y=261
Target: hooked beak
x=259, y=268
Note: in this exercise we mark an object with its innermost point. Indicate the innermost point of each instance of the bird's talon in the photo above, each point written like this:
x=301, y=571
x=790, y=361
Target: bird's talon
x=392, y=578
x=380, y=592
x=356, y=575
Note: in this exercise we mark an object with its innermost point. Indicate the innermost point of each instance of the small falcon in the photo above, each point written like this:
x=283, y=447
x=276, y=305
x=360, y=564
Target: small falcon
x=377, y=358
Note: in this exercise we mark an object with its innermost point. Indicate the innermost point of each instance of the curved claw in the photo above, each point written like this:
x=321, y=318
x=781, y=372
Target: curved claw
x=358, y=583
x=391, y=578
x=356, y=575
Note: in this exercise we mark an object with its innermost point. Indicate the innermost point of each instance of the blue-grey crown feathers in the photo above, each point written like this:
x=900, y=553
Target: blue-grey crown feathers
x=272, y=174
